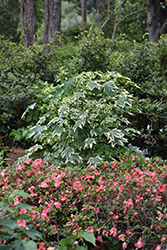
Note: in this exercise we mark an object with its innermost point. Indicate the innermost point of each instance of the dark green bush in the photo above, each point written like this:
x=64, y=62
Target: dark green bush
x=146, y=66
x=22, y=75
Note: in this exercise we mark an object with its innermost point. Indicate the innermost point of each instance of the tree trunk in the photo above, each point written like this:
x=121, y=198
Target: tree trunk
x=52, y=21
x=28, y=21
x=156, y=20
x=84, y=7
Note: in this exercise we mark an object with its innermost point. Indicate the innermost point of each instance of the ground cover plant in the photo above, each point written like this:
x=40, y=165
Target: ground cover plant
x=122, y=201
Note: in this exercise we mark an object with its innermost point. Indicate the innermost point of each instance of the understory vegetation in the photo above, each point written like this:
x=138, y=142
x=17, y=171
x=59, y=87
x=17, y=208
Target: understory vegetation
x=94, y=115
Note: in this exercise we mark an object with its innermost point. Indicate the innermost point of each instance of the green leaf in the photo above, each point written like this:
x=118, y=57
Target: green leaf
x=67, y=152
x=78, y=95
x=28, y=108
x=114, y=133
x=77, y=124
x=110, y=88
x=18, y=245
x=89, y=142
x=61, y=248
x=8, y=223
x=95, y=160
x=6, y=248
x=122, y=101
x=6, y=235
x=21, y=193
x=69, y=85
x=89, y=237
x=34, y=149
x=22, y=217
x=24, y=206
x=93, y=85
x=33, y=233
x=57, y=131
x=83, y=248
x=68, y=241
x=5, y=207
x=29, y=245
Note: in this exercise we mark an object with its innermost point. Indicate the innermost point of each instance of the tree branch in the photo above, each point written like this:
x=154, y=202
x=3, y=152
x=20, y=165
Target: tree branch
x=130, y=14
x=163, y=29
x=109, y=15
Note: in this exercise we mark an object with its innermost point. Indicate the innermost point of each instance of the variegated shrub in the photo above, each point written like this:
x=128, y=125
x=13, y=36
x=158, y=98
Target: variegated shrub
x=86, y=119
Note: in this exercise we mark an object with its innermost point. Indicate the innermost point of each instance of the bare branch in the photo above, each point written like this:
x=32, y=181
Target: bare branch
x=130, y=14
x=109, y=15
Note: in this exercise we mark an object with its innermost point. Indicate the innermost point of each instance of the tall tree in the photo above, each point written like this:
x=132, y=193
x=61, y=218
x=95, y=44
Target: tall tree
x=28, y=21
x=84, y=8
x=156, y=19
x=52, y=20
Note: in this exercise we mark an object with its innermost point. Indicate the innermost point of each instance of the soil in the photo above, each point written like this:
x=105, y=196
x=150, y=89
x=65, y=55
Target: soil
x=14, y=154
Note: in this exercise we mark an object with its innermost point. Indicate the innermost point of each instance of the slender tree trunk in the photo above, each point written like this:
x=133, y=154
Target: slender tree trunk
x=156, y=20
x=84, y=7
x=28, y=21
x=52, y=21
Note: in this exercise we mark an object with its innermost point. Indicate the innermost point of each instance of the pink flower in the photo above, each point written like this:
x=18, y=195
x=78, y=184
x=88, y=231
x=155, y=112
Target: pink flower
x=124, y=245
x=37, y=163
x=77, y=186
x=115, y=217
x=158, y=247
x=139, y=244
x=41, y=246
x=54, y=229
x=21, y=223
x=162, y=188
x=129, y=202
x=99, y=239
x=158, y=198
x=90, y=229
x=44, y=185
x=113, y=232
x=27, y=161
x=3, y=173
x=57, y=204
x=121, y=237
x=63, y=198
x=128, y=233
x=16, y=201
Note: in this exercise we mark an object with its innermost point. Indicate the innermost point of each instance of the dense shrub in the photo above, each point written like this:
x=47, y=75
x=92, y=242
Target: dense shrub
x=94, y=52
x=146, y=66
x=124, y=200
x=85, y=119
x=22, y=75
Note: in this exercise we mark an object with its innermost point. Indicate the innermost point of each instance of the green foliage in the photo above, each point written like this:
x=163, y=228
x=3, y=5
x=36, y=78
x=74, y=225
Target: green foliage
x=94, y=52
x=146, y=66
x=15, y=233
x=9, y=20
x=23, y=73
x=3, y=159
x=115, y=203
x=84, y=116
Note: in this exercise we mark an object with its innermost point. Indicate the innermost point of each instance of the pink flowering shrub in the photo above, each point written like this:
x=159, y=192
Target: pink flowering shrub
x=124, y=201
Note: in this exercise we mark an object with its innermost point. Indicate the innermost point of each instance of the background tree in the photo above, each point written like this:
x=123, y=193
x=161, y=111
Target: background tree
x=9, y=19
x=84, y=6
x=52, y=20
x=28, y=21
x=156, y=19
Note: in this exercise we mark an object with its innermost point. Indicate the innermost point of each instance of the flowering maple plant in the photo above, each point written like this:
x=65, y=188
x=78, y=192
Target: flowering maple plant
x=124, y=201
